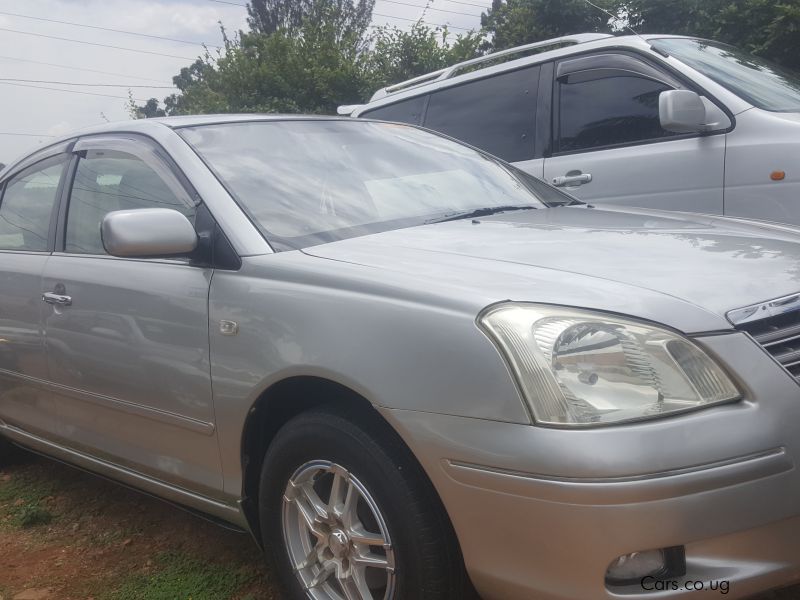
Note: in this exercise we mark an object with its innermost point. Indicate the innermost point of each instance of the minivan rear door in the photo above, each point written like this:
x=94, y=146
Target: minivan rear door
x=608, y=144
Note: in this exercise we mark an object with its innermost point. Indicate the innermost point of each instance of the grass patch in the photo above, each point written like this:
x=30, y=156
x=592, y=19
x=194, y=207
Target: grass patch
x=180, y=577
x=31, y=515
x=22, y=500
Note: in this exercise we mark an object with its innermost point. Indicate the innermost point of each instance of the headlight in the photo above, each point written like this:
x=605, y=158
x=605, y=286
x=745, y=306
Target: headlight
x=580, y=368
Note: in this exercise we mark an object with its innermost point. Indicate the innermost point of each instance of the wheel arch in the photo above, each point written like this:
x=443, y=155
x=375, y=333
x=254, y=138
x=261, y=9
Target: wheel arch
x=284, y=400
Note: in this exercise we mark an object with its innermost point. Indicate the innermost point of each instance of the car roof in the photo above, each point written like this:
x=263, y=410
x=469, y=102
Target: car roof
x=451, y=76
x=154, y=127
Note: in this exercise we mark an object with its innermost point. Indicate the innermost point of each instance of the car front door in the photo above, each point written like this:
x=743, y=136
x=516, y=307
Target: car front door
x=127, y=338
x=608, y=144
x=28, y=202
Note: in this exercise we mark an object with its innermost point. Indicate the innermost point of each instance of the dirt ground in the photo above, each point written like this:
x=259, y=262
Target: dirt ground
x=66, y=535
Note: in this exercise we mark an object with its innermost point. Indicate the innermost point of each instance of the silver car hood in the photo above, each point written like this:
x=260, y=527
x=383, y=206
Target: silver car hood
x=681, y=269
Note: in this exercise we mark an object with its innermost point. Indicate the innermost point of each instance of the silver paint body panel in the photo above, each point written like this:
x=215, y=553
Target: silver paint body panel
x=136, y=380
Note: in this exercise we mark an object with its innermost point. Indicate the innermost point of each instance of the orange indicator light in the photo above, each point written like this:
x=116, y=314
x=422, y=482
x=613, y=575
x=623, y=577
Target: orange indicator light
x=777, y=175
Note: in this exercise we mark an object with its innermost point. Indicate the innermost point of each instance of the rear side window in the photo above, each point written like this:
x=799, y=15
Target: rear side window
x=405, y=111
x=108, y=180
x=607, y=111
x=496, y=114
x=27, y=206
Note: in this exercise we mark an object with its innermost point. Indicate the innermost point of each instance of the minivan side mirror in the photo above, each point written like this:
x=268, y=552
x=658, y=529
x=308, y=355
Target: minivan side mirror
x=682, y=111
x=147, y=232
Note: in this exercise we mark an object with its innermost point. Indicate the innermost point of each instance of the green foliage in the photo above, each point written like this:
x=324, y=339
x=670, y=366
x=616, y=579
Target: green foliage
x=180, y=577
x=349, y=17
x=311, y=70
x=768, y=28
x=313, y=55
x=148, y=110
x=516, y=22
x=23, y=499
x=397, y=55
x=30, y=515
x=280, y=72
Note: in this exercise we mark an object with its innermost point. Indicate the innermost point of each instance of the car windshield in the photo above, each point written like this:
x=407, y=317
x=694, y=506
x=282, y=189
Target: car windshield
x=755, y=80
x=306, y=182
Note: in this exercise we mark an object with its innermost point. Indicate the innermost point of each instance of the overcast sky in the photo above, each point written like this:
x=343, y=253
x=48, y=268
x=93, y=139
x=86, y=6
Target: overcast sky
x=48, y=112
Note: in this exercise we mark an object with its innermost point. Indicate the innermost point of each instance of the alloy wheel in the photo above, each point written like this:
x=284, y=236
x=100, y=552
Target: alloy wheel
x=335, y=535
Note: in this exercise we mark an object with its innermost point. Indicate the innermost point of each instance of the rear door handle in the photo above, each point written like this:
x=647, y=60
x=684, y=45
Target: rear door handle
x=570, y=180
x=59, y=299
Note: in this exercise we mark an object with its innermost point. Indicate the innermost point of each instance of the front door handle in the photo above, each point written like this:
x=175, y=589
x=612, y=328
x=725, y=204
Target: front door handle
x=570, y=180
x=59, y=299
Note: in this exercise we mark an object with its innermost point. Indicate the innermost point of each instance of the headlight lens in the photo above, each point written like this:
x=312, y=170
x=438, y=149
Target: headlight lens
x=580, y=368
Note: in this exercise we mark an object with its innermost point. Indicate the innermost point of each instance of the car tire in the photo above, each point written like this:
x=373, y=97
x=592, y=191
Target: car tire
x=384, y=496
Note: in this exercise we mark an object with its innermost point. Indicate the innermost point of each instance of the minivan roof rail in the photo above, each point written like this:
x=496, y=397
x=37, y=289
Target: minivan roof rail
x=447, y=72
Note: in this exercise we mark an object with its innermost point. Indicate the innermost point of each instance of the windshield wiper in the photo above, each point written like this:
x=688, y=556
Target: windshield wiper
x=478, y=212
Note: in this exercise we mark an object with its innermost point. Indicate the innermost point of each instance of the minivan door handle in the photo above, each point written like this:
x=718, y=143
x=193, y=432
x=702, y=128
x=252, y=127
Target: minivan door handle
x=570, y=179
x=59, y=299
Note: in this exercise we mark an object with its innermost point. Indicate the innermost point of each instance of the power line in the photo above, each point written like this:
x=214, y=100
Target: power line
x=147, y=35
x=122, y=85
x=41, y=87
x=454, y=12
x=53, y=37
x=416, y=20
x=38, y=62
x=26, y=134
x=483, y=6
x=388, y=16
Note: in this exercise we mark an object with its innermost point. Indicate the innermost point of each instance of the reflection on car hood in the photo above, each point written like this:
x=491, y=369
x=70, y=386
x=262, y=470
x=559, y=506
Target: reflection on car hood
x=584, y=256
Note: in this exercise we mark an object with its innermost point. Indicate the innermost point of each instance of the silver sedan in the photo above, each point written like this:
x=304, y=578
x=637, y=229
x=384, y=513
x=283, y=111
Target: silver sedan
x=410, y=370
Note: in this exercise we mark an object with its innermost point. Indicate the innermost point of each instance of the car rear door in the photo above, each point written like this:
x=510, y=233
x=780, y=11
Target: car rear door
x=608, y=144
x=127, y=338
x=28, y=204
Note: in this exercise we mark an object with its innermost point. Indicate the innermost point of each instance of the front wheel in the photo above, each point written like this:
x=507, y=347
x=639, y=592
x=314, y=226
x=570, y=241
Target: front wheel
x=346, y=517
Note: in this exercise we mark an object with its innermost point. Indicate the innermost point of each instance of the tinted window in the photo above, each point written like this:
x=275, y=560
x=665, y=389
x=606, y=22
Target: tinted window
x=27, y=206
x=607, y=111
x=106, y=181
x=496, y=114
x=307, y=182
x=407, y=111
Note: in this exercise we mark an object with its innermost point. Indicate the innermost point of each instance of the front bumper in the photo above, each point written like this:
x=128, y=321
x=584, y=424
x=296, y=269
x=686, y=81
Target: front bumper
x=541, y=513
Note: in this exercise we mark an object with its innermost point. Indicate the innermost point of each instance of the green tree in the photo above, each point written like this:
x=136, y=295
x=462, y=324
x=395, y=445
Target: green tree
x=397, y=55
x=349, y=17
x=148, y=110
x=314, y=68
x=512, y=23
x=768, y=28
x=314, y=72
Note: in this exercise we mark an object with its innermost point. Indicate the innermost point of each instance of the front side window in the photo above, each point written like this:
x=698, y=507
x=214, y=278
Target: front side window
x=755, y=80
x=306, y=182
x=496, y=114
x=109, y=180
x=607, y=111
x=27, y=206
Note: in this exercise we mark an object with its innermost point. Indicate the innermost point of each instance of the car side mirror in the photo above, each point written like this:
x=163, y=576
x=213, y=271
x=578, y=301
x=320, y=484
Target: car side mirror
x=682, y=111
x=147, y=232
